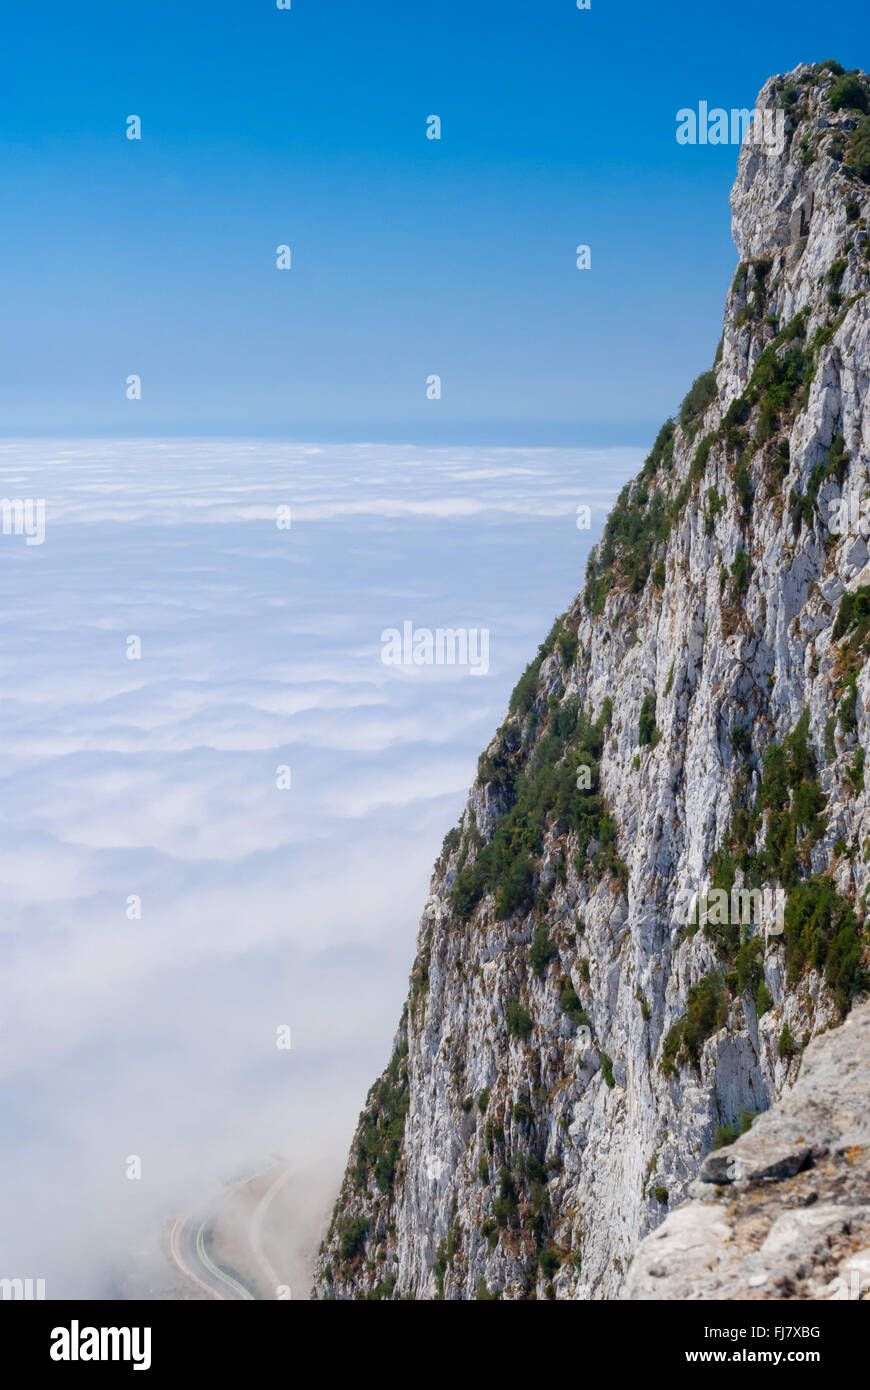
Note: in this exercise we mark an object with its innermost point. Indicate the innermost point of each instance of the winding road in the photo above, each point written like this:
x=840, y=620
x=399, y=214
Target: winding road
x=256, y=1234
x=189, y=1241
x=187, y=1244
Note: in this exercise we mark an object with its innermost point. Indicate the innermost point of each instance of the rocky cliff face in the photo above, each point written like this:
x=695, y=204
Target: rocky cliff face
x=573, y=1044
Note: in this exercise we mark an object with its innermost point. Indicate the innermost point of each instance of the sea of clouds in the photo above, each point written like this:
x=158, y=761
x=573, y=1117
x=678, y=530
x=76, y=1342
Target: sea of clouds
x=260, y=907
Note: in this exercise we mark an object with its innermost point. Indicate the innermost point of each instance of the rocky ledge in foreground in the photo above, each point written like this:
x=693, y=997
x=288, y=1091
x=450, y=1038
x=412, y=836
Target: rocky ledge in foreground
x=784, y=1212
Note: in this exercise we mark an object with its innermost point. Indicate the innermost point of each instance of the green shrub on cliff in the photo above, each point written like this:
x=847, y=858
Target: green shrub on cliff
x=383, y=1124
x=707, y=1011
x=858, y=152
x=519, y=1020
x=353, y=1236
x=834, y=465
x=569, y=1003
x=542, y=949
x=822, y=931
x=699, y=396
x=646, y=728
x=504, y=1207
x=849, y=94
x=558, y=783
x=853, y=617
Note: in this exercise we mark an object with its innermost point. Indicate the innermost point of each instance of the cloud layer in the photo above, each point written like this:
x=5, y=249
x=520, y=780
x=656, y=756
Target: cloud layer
x=156, y=780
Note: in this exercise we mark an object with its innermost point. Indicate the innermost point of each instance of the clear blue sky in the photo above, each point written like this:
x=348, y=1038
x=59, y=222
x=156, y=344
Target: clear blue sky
x=410, y=257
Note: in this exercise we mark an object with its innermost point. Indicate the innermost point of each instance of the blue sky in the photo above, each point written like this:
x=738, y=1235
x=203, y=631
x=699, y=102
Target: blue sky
x=411, y=257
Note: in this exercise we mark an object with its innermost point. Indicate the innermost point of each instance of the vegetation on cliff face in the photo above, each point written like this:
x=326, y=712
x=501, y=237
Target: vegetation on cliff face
x=557, y=781
x=383, y=1124
x=771, y=841
x=636, y=527
x=707, y=1011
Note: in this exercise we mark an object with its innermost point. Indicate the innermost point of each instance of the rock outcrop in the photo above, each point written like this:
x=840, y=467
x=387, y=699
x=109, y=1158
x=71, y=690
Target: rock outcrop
x=601, y=993
x=785, y=1211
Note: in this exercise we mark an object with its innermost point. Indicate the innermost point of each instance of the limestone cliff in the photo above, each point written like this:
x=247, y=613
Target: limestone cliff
x=573, y=1044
